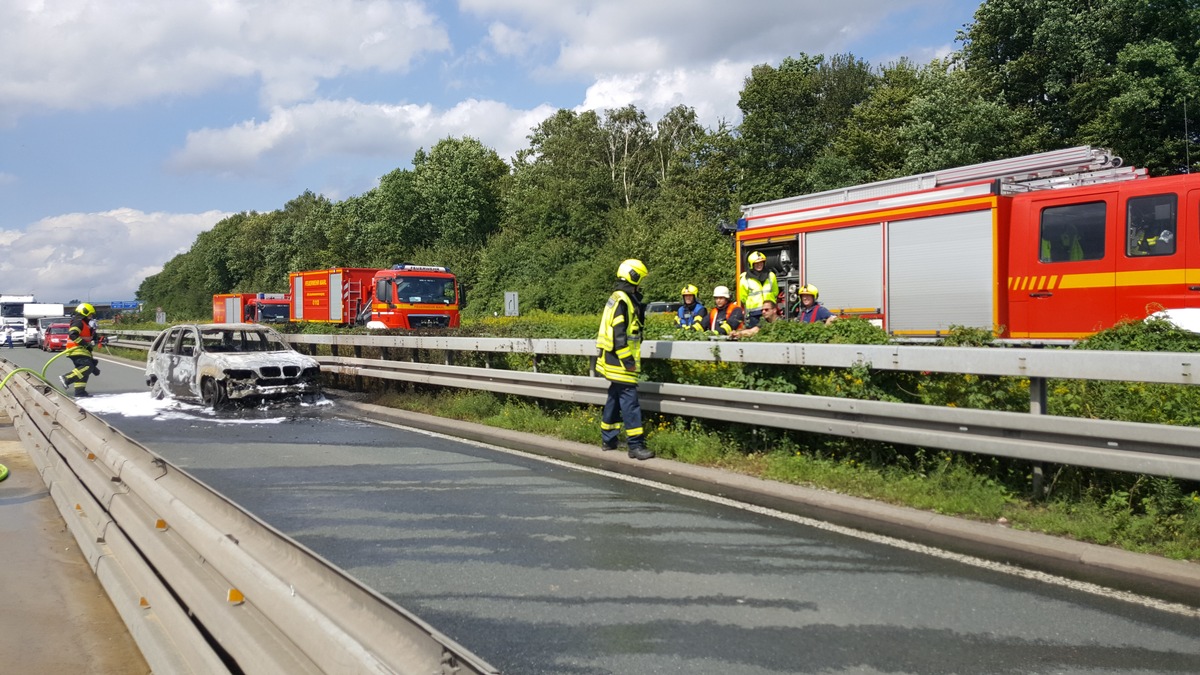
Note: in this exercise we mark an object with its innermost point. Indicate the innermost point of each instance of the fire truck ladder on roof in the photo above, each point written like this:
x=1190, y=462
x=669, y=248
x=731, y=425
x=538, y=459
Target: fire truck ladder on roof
x=1082, y=165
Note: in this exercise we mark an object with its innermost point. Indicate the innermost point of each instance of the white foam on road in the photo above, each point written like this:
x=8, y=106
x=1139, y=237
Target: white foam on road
x=142, y=404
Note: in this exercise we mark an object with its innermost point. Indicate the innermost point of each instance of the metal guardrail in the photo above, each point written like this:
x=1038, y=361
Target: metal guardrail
x=200, y=583
x=1157, y=367
x=1102, y=444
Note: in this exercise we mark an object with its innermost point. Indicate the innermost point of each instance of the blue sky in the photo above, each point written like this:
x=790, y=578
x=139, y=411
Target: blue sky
x=128, y=127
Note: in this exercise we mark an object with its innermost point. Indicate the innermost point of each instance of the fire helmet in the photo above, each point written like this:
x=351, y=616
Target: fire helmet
x=633, y=271
x=809, y=289
x=85, y=310
x=721, y=292
x=757, y=257
x=690, y=289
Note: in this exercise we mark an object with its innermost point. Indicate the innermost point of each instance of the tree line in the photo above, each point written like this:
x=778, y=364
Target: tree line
x=592, y=188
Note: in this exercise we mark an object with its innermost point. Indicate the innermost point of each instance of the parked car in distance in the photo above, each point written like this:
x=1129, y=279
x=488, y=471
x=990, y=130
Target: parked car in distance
x=54, y=337
x=663, y=307
x=221, y=364
x=33, y=336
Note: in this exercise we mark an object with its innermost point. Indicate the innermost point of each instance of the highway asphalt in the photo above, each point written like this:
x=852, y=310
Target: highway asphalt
x=1173, y=581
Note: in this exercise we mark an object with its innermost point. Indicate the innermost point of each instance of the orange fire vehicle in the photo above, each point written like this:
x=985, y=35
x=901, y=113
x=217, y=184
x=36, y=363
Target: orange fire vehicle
x=404, y=296
x=1052, y=246
x=250, y=307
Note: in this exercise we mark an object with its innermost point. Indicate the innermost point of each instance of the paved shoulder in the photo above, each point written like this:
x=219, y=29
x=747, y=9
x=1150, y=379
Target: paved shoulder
x=1172, y=580
x=57, y=617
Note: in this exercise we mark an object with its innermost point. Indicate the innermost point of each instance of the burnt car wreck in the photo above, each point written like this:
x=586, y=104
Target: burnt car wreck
x=224, y=364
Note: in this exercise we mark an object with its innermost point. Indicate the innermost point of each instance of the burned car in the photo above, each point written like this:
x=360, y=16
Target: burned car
x=221, y=364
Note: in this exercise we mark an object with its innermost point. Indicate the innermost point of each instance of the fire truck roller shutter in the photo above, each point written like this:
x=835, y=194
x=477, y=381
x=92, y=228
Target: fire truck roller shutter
x=298, y=297
x=940, y=272
x=337, y=297
x=847, y=265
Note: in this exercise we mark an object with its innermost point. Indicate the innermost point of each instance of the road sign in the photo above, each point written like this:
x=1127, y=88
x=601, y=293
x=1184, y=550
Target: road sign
x=510, y=304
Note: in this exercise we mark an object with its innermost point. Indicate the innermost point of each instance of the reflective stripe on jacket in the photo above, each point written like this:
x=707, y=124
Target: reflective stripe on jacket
x=80, y=335
x=619, y=340
x=686, y=319
x=752, y=293
x=724, y=327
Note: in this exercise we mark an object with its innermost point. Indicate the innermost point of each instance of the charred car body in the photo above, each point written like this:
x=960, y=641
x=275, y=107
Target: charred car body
x=222, y=363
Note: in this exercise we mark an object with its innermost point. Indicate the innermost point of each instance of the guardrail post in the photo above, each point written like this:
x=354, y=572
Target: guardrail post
x=358, y=380
x=1037, y=406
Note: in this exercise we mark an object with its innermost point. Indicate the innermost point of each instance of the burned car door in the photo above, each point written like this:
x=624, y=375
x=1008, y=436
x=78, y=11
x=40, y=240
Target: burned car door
x=161, y=362
x=183, y=381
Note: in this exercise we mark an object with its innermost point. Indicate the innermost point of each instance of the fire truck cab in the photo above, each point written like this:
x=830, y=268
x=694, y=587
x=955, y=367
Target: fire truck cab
x=415, y=296
x=1053, y=246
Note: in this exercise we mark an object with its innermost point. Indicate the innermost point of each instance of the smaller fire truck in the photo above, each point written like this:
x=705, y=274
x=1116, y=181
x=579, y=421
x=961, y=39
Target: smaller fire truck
x=250, y=308
x=404, y=296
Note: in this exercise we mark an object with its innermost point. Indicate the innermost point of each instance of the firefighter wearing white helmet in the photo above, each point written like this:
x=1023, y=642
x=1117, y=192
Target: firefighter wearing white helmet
x=81, y=339
x=756, y=286
x=619, y=342
x=691, y=311
x=812, y=311
x=725, y=317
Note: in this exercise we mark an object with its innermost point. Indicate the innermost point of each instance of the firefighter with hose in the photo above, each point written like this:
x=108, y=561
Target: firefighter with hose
x=82, y=339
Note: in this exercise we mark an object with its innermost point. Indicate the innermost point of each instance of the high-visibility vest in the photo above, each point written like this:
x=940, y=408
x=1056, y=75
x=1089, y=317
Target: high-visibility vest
x=85, y=335
x=712, y=318
x=610, y=362
x=752, y=294
x=685, y=318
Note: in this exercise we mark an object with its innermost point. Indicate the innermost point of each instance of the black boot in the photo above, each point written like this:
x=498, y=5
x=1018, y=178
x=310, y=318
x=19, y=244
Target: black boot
x=640, y=452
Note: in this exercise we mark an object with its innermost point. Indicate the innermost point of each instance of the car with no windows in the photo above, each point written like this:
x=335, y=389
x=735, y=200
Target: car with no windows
x=220, y=364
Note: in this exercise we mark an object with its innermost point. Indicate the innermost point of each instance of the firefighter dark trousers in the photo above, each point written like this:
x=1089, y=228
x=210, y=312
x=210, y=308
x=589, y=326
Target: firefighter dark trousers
x=85, y=365
x=622, y=404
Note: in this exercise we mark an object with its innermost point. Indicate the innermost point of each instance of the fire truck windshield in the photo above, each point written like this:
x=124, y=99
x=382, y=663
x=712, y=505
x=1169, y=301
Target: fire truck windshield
x=425, y=290
x=273, y=313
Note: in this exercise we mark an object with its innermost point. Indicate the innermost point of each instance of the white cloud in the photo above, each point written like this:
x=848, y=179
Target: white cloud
x=611, y=37
x=123, y=247
x=311, y=131
x=78, y=54
x=7, y=178
x=706, y=90
x=507, y=41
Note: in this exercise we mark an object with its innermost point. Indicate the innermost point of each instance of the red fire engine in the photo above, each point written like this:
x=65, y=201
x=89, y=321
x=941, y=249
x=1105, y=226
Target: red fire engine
x=405, y=296
x=250, y=307
x=1056, y=245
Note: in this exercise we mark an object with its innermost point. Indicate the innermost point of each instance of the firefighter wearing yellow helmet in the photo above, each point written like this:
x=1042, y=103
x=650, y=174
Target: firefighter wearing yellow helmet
x=756, y=286
x=812, y=311
x=619, y=342
x=81, y=340
x=690, y=313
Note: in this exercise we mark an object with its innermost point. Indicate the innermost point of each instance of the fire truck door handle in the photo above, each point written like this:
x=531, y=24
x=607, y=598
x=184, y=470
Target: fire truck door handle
x=1194, y=288
x=1041, y=294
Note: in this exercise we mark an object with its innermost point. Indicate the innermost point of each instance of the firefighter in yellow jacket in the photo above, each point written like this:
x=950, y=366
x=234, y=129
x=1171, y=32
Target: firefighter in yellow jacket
x=756, y=286
x=619, y=342
x=81, y=339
